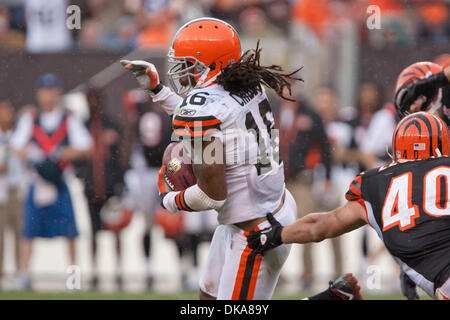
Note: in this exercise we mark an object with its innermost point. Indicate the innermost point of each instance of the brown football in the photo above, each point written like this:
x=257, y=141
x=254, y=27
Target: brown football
x=178, y=172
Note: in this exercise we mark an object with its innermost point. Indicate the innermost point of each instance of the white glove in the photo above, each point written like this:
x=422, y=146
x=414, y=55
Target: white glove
x=145, y=73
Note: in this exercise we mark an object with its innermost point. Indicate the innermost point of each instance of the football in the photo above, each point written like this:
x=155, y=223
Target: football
x=178, y=172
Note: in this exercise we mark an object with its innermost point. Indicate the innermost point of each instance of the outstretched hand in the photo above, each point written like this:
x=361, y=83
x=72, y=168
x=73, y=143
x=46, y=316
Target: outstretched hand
x=267, y=238
x=145, y=73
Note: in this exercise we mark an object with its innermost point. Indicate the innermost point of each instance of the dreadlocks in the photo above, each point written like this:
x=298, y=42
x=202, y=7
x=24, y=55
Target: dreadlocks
x=246, y=76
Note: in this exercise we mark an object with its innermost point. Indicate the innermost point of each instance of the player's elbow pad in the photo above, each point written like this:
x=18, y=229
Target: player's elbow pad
x=198, y=200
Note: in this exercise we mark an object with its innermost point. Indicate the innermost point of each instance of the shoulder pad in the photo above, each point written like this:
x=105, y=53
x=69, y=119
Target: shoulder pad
x=354, y=190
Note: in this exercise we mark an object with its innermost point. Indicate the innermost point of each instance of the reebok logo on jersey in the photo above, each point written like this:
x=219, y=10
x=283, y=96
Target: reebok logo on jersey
x=187, y=112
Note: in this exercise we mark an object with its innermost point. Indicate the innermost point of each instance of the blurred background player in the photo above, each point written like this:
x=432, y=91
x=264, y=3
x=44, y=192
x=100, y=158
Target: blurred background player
x=102, y=174
x=304, y=145
x=147, y=134
x=46, y=26
x=198, y=228
x=188, y=230
x=371, y=143
x=11, y=185
x=49, y=138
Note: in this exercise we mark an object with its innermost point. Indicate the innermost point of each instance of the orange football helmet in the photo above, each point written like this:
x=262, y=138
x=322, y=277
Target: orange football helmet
x=200, y=49
x=411, y=74
x=419, y=136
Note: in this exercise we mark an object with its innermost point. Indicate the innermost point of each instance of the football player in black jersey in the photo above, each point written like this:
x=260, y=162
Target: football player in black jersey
x=407, y=203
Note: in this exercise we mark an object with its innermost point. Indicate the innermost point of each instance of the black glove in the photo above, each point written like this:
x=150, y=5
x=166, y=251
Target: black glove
x=427, y=87
x=267, y=238
x=408, y=287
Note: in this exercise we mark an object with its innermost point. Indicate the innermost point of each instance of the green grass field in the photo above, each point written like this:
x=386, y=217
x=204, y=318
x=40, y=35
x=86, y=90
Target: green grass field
x=95, y=295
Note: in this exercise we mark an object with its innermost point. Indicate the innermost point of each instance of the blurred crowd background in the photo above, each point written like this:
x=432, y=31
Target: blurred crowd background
x=129, y=24
x=340, y=124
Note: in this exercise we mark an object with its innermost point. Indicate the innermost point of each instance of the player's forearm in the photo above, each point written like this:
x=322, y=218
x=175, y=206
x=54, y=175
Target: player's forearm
x=305, y=230
x=166, y=98
x=190, y=199
x=316, y=227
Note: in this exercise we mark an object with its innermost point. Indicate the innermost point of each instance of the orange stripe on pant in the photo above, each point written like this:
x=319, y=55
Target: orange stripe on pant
x=247, y=275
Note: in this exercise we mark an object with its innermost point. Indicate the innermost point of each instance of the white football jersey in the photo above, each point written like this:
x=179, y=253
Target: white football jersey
x=254, y=173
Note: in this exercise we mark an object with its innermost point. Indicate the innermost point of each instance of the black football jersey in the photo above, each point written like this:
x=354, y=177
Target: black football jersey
x=408, y=204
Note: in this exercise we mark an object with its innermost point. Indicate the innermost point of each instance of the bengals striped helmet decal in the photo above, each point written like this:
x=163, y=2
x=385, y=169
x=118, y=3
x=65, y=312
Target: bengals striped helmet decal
x=411, y=74
x=418, y=136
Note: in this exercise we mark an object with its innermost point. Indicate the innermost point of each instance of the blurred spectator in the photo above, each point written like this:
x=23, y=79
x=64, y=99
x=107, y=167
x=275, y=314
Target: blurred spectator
x=91, y=35
x=253, y=23
x=278, y=13
x=11, y=181
x=197, y=227
x=102, y=174
x=310, y=34
x=147, y=133
x=188, y=230
x=49, y=138
x=368, y=101
x=159, y=25
x=434, y=24
x=315, y=16
x=125, y=24
x=374, y=127
x=188, y=10
x=46, y=26
x=339, y=133
x=106, y=12
x=304, y=146
x=227, y=10
x=9, y=38
x=376, y=146
x=397, y=29
x=106, y=25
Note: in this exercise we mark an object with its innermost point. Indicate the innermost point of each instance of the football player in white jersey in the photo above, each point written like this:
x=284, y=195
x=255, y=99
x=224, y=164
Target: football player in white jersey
x=219, y=107
x=226, y=108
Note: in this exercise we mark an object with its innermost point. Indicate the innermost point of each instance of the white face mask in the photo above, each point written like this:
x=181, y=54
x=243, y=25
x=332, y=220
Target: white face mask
x=182, y=68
